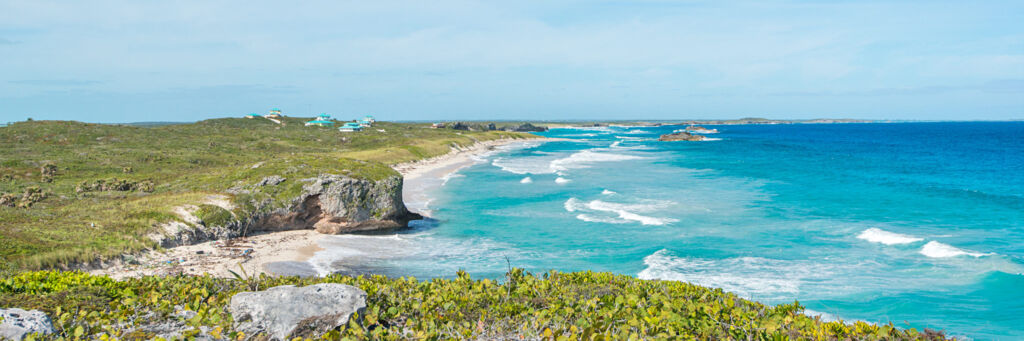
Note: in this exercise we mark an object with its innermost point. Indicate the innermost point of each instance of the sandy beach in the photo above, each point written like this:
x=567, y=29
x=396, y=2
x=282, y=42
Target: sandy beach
x=287, y=252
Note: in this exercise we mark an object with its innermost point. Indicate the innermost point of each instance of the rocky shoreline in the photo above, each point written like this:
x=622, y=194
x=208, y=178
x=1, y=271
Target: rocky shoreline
x=328, y=204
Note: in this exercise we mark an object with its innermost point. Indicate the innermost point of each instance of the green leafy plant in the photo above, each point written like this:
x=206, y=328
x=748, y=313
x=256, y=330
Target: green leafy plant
x=552, y=306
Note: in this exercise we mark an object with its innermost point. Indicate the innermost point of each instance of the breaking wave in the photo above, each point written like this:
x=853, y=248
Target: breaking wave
x=876, y=235
x=625, y=213
x=936, y=249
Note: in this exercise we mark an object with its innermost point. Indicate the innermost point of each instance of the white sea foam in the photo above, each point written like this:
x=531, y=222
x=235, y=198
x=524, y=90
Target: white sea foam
x=936, y=249
x=449, y=176
x=876, y=235
x=552, y=164
x=616, y=143
x=633, y=138
x=586, y=128
x=561, y=181
x=746, y=276
x=584, y=158
x=625, y=212
x=572, y=205
x=607, y=192
x=711, y=139
x=595, y=219
x=526, y=180
x=418, y=250
x=524, y=165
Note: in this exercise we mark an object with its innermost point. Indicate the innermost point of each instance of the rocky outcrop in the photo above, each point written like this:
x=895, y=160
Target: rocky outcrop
x=16, y=323
x=700, y=130
x=329, y=203
x=525, y=127
x=681, y=136
x=286, y=312
x=334, y=204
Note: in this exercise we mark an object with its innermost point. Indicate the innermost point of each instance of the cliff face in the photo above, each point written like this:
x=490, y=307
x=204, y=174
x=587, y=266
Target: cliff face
x=335, y=204
x=330, y=204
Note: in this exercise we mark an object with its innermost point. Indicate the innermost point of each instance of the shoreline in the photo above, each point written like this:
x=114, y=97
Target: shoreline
x=289, y=252
x=422, y=177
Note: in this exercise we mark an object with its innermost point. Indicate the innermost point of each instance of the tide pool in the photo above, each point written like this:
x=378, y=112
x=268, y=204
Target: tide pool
x=921, y=224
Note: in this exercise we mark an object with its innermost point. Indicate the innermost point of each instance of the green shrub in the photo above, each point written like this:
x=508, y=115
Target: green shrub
x=570, y=306
x=212, y=215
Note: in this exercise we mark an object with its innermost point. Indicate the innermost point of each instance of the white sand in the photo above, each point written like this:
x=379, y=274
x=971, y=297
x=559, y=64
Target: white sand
x=218, y=257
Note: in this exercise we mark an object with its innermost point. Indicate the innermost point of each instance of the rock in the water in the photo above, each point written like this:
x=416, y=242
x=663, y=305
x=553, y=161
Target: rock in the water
x=288, y=311
x=16, y=323
x=681, y=136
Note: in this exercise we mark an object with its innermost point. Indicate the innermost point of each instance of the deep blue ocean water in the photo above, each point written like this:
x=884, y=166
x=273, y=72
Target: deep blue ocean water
x=921, y=224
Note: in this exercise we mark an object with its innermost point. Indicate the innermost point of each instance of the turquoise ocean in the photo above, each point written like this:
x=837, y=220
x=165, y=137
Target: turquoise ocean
x=921, y=224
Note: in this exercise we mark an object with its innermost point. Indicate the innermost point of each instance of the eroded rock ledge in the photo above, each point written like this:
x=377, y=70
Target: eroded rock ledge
x=334, y=204
x=330, y=204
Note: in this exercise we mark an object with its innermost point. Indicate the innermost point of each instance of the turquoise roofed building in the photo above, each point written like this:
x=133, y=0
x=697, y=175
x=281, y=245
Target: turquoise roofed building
x=350, y=126
x=321, y=123
x=253, y=115
x=369, y=118
x=324, y=117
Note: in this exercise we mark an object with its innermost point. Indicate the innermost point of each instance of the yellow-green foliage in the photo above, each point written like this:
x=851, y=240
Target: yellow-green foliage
x=569, y=306
x=211, y=215
x=96, y=190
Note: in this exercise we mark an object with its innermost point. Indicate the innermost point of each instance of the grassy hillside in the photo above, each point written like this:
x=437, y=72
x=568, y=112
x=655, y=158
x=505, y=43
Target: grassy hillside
x=72, y=191
x=554, y=306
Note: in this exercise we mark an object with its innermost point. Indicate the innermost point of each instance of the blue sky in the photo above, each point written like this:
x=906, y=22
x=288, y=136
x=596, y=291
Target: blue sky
x=129, y=61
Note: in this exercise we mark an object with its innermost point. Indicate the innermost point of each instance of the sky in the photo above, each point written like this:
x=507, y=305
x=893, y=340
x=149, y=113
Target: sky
x=147, y=60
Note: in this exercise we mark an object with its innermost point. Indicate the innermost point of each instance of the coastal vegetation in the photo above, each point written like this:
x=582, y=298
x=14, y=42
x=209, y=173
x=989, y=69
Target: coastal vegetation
x=75, y=192
x=549, y=306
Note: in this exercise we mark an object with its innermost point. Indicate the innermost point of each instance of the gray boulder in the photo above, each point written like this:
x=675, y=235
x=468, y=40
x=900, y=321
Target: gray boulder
x=272, y=180
x=288, y=311
x=16, y=323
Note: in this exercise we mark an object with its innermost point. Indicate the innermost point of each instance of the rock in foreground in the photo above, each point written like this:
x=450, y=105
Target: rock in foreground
x=16, y=323
x=681, y=136
x=288, y=311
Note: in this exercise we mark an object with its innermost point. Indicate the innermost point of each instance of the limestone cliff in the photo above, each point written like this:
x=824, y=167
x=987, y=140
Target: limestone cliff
x=330, y=204
x=334, y=204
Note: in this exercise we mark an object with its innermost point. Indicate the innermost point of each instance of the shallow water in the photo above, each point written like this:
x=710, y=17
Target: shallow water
x=914, y=222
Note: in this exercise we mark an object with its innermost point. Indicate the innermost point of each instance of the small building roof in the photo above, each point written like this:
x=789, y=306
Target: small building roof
x=252, y=114
x=320, y=121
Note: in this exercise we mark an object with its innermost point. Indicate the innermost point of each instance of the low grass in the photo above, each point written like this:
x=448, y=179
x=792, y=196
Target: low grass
x=162, y=167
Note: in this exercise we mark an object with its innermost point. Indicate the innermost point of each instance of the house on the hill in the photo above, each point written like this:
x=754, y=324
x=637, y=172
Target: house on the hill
x=320, y=122
x=274, y=113
x=370, y=119
x=253, y=115
x=350, y=126
x=323, y=117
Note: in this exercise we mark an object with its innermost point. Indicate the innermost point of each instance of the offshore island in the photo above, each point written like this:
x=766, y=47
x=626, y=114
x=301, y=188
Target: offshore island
x=186, y=230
